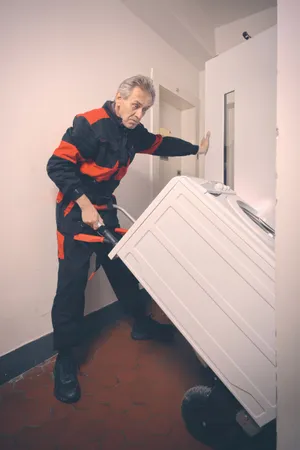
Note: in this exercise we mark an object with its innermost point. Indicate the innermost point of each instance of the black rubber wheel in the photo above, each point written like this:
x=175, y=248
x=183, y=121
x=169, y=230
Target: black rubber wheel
x=209, y=414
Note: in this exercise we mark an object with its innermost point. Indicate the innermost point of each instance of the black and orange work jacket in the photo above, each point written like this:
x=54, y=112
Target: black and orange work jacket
x=93, y=157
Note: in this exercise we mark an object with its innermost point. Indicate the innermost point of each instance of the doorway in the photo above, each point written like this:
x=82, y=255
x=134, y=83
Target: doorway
x=175, y=114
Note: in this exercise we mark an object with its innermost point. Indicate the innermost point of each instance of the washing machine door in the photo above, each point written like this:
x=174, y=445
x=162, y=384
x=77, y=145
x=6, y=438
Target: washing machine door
x=249, y=215
x=252, y=214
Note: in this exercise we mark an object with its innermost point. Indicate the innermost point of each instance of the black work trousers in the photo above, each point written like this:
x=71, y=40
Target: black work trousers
x=69, y=302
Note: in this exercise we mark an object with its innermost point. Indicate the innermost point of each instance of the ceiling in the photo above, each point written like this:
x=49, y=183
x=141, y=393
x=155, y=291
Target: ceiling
x=226, y=11
x=189, y=25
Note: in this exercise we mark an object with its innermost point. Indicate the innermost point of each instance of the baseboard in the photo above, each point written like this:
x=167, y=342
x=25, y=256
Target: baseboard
x=28, y=356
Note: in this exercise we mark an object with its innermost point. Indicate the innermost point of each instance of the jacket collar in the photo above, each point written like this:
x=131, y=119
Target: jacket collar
x=110, y=109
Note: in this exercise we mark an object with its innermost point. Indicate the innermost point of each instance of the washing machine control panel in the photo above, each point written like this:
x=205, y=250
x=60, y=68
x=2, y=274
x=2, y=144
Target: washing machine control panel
x=217, y=188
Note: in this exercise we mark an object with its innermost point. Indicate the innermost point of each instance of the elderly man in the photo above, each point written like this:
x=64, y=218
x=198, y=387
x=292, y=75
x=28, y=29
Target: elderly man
x=87, y=167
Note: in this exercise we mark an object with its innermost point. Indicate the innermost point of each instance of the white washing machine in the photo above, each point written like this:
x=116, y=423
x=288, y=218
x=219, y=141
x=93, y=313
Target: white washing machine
x=208, y=261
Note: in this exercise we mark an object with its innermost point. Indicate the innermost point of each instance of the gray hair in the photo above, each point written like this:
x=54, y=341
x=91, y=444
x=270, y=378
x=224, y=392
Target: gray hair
x=141, y=81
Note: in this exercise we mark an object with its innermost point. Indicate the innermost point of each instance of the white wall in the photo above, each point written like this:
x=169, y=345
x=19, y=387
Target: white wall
x=287, y=227
x=250, y=70
x=230, y=35
x=60, y=58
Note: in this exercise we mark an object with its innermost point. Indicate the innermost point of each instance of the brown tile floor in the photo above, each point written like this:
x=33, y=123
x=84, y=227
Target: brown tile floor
x=131, y=397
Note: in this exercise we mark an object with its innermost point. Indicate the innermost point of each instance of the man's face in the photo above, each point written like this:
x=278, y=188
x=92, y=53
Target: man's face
x=133, y=108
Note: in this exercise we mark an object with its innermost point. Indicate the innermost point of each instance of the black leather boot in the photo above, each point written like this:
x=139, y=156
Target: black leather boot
x=147, y=328
x=66, y=385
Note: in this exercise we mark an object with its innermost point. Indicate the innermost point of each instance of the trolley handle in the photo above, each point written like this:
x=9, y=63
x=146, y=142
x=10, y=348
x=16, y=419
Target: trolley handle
x=126, y=213
x=113, y=206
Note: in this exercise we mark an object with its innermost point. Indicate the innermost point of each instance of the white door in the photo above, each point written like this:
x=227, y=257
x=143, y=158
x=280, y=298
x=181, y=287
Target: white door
x=248, y=71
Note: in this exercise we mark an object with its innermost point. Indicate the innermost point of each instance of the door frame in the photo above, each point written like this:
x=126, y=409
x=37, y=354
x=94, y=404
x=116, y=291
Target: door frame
x=160, y=80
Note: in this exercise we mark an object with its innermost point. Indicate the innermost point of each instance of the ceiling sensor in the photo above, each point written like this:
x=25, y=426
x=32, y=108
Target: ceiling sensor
x=246, y=35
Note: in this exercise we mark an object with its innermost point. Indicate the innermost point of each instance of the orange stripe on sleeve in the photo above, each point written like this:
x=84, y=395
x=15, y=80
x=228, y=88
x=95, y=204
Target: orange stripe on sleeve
x=94, y=115
x=68, y=151
x=101, y=207
x=154, y=146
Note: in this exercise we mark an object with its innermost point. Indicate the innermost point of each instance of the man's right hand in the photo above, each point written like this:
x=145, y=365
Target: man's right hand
x=90, y=215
